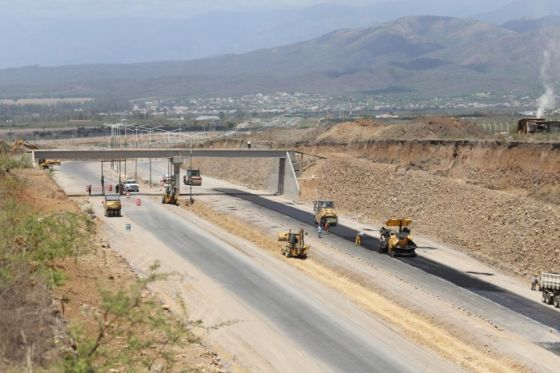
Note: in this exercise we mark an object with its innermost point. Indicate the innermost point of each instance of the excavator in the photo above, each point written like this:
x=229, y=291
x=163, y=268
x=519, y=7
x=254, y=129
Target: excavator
x=398, y=241
x=296, y=246
x=170, y=195
x=324, y=212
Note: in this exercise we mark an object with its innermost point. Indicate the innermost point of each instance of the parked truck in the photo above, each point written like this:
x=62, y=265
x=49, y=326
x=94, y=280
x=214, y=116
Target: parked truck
x=549, y=285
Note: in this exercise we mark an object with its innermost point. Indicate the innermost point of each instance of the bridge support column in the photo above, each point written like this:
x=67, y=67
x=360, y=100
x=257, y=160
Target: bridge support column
x=177, y=162
x=281, y=172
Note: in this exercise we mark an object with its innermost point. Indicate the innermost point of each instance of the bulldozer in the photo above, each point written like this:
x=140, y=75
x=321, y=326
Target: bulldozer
x=170, y=195
x=324, y=212
x=48, y=163
x=398, y=241
x=296, y=246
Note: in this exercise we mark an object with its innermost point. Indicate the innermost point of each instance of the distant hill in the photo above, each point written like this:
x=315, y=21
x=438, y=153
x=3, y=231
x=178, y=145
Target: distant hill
x=521, y=9
x=532, y=24
x=425, y=56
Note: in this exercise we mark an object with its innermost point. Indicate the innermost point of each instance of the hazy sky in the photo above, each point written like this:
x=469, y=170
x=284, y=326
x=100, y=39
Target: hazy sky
x=184, y=8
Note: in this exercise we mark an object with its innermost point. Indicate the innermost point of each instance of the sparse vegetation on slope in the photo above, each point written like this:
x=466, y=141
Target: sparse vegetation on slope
x=53, y=272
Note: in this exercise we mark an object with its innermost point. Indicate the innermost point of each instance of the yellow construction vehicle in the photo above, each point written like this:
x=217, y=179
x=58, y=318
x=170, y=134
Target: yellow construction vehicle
x=397, y=242
x=296, y=246
x=48, y=163
x=324, y=212
x=170, y=195
x=112, y=205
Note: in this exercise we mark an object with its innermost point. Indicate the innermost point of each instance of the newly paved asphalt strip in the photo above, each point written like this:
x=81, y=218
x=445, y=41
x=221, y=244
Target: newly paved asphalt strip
x=534, y=311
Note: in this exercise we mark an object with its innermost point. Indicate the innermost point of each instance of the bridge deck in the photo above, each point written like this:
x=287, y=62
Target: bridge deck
x=111, y=154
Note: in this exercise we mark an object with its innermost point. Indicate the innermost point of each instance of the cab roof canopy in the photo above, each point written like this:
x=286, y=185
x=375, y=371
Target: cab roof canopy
x=398, y=222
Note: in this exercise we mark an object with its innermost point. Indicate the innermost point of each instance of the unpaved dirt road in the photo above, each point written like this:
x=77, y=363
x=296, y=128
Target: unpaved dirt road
x=275, y=318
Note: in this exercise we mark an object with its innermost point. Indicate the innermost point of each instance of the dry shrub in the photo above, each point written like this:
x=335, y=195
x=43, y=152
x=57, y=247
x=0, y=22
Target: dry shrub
x=548, y=194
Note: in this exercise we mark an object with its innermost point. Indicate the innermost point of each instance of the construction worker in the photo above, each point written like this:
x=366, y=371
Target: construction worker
x=327, y=226
x=89, y=189
x=358, y=240
x=534, y=281
x=319, y=230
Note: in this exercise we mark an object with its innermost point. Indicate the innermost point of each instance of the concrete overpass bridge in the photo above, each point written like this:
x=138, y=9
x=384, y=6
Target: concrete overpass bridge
x=286, y=173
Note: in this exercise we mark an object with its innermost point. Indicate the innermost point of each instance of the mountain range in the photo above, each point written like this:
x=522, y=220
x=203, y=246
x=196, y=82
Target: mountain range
x=82, y=38
x=521, y=9
x=424, y=56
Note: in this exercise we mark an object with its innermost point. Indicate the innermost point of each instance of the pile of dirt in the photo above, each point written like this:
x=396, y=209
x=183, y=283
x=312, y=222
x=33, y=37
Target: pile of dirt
x=435, y=128
x=349, y=132
x=363, y=130
x=507, y=231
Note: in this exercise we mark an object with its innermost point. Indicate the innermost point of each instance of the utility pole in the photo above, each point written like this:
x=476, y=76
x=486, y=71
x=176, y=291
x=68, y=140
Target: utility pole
x=190, y=183
x=102, y=181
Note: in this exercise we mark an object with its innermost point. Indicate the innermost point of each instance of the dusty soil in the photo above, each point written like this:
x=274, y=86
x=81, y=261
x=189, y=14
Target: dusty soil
x=102, y=268
x=256, y=174
x=349, y=132
x=435, y=128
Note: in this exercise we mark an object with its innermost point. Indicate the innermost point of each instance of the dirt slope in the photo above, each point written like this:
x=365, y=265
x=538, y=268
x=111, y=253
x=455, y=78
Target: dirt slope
x=363, y=130
x=517, y=233
x=435, y=128
x=44, y=317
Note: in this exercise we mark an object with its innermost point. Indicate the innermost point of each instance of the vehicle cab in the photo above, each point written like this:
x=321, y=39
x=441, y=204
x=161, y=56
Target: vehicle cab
x=192, y=178
x=130, y=186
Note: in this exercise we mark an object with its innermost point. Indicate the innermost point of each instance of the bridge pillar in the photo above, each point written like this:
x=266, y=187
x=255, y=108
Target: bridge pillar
x=281, y=172
x=177, y=162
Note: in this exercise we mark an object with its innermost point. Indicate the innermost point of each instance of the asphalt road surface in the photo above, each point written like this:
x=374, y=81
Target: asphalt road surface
x=454, y=285
x=335, y=340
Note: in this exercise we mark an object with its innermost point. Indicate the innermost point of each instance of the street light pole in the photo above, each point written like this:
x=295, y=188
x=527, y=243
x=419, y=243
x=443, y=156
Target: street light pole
x=190, y=183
